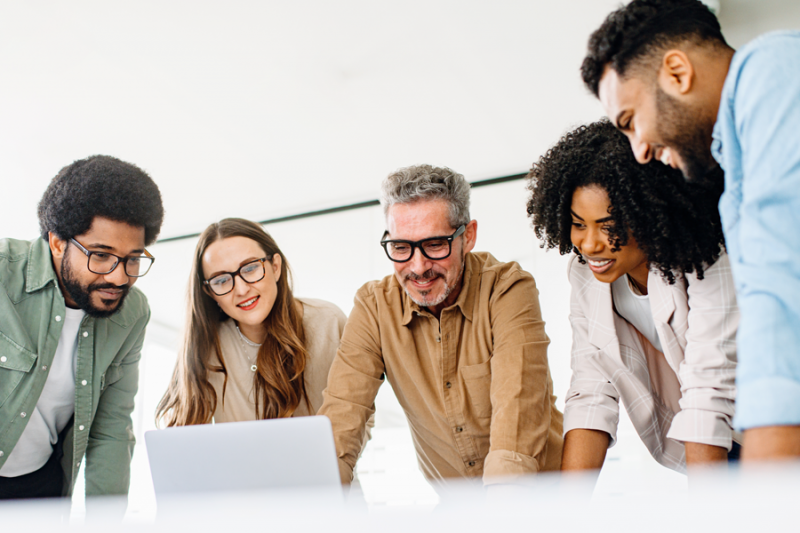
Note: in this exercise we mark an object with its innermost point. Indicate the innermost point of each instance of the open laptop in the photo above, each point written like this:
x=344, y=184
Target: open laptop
x=293, y=453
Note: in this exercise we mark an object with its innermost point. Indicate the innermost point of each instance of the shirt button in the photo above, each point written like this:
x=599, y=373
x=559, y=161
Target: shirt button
x=459, y=429
x=85, y=333
x=44, y=367
x=80, y=428
x=1, y=453
x=438, y=339
x=58, y=318
x=471, y=463
x=84, y=382
x=448, y=385
x=23, y=415
x=3, y=359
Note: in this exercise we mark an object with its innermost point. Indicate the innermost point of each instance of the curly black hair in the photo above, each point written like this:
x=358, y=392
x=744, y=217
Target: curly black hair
x=675, y=223
x=101, y=186
x=643, y=27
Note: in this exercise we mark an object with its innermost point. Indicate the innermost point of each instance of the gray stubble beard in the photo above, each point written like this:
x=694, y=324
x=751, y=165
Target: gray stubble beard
x=447, y=291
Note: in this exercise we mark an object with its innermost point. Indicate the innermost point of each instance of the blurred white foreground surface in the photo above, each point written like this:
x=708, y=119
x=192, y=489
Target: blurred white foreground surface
x=761, y=499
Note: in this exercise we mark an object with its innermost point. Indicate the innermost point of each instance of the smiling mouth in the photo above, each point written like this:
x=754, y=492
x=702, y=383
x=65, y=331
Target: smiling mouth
x=599, y=266
x=248, y=304
x=106, y=294
x=423, y=283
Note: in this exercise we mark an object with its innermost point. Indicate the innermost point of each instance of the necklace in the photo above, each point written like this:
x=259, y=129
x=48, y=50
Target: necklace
x=248, y=342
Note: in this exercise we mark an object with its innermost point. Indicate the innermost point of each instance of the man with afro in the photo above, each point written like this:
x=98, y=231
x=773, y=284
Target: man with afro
x=71, y=331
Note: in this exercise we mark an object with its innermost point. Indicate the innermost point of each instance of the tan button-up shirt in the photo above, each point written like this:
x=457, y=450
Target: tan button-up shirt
x=474, y=384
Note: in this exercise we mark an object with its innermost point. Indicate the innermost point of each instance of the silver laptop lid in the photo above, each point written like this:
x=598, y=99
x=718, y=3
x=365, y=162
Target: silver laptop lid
x=241, y=456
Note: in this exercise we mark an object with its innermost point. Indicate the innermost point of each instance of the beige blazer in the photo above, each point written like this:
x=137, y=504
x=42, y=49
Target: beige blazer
x=685, y=394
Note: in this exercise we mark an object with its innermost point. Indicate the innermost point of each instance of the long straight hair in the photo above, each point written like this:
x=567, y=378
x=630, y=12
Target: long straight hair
x=278, y=385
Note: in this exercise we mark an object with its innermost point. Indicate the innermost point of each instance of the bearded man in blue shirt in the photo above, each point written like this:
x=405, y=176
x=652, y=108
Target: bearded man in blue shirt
x=669, y=81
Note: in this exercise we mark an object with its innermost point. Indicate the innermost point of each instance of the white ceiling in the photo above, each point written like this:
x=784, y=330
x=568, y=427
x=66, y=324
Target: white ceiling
x=261, y=109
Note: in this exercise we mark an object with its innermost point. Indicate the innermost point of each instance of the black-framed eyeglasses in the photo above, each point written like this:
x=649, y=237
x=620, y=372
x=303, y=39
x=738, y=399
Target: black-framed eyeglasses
x=223, y=283
x=433, y=248
x=101, y=263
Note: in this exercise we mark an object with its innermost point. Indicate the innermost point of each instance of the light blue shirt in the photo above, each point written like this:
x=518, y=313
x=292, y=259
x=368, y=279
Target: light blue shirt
x=757, y=143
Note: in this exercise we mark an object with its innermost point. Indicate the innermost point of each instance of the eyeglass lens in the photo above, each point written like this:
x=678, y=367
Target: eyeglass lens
x=251, y=273
x=432, y=248
x=101, y=263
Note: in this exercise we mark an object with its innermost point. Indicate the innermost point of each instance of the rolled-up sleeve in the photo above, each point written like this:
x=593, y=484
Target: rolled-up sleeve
x=592, y=401
x=353, y=382
x=521, y=387
x=708, y=370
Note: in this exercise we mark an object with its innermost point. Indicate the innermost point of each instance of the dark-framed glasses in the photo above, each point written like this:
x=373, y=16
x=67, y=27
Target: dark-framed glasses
x=433, y=248
x=224, y=282
x=101, y=263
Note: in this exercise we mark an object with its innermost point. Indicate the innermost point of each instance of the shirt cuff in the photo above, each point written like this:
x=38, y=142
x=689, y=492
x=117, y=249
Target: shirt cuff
x=592, y=418
x=771, y=401
x=345, y=472
x=505, y=466
x=704, y=427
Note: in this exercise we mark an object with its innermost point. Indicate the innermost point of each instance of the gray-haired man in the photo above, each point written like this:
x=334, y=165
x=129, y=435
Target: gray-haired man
x=460, y=337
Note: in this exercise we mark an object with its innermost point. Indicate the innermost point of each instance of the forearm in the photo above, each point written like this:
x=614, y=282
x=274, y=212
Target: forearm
x=698, y=454
x=771, y=443
x=584, y=449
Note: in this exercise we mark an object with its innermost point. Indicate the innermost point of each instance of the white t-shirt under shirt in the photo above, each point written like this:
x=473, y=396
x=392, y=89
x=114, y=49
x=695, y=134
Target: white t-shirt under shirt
x=635, y=308
x=55, y=407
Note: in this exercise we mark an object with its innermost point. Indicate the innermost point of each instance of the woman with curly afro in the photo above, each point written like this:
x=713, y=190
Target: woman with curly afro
x=653, y=307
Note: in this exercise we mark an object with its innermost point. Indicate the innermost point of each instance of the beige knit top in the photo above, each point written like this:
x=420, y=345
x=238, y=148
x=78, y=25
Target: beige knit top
x=323, y=323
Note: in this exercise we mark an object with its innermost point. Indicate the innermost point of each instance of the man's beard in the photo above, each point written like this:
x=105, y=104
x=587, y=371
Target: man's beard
x=82, y=296
x=430, y=274
x=687, y=132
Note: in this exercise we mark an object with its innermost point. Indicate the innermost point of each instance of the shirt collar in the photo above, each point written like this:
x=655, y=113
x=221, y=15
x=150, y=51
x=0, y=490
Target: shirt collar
x=40, y=266
x=716, y=142
x=466, y=298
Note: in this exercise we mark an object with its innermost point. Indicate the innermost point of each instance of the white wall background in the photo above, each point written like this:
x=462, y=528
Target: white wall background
x=264, y=108
x=256, y=108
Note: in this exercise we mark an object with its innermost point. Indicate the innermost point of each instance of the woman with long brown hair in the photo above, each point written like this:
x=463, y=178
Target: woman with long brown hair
x=251, y=349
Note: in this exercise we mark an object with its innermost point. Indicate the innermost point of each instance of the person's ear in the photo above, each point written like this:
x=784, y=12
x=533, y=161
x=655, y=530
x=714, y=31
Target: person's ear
x=58, y=247
x=676, y=75
x=276, y=266
x=470, y=235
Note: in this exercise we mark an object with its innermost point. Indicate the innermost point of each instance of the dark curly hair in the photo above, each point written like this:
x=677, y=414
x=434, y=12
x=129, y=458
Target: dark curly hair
x=100, y=186
x=636, y=31
x=675, y=223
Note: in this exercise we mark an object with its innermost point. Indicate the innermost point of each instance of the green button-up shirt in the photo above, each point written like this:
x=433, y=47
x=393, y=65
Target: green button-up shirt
x=106, y=379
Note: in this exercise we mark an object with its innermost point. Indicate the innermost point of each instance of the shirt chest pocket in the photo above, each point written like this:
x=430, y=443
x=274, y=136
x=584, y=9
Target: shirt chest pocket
x=478, y=384
x=15, y=364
